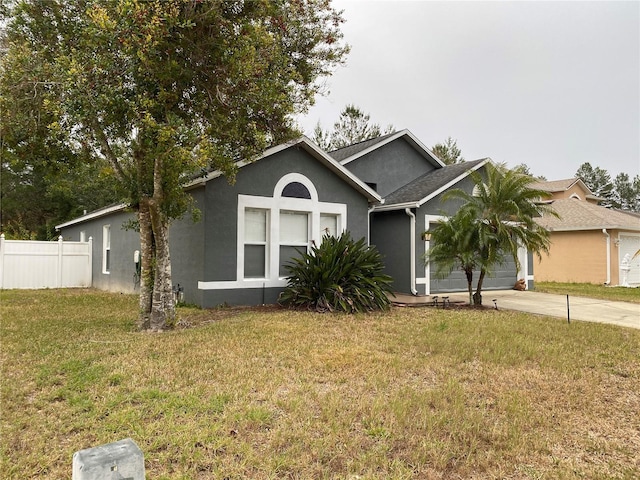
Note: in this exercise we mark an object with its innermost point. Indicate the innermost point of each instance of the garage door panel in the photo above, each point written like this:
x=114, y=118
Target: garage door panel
x=629, y=245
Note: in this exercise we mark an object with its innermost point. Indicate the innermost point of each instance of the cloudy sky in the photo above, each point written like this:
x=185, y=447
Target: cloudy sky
x=548, y=84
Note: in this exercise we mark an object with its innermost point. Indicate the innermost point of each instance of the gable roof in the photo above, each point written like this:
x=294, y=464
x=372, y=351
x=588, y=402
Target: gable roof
x=301, y=142
x=316, y=152
x=578, y=215
x=353, y=152
x=554, y=186
x=343, y=153
x=424, y=188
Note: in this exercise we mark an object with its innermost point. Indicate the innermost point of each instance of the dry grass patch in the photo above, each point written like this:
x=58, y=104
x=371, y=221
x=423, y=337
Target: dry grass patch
x=270, y=393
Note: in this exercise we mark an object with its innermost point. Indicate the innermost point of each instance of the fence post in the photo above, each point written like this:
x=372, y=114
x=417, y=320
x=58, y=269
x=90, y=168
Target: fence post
x=90, y=261
x=1, y=260
x=59, y=279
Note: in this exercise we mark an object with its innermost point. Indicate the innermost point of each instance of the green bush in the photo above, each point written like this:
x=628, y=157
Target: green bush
x=339, y=275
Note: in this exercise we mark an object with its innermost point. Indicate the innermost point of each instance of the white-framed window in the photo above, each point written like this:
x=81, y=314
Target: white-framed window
x=256, y=252
x=294, y=236
x=329, y=225
x=106, y=248
x=271, y=229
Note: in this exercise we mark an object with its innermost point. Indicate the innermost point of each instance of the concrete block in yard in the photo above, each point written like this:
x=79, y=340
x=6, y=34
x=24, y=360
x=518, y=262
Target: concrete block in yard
x=121, y=460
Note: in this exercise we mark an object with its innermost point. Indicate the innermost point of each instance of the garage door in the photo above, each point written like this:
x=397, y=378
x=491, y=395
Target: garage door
x=629, y=245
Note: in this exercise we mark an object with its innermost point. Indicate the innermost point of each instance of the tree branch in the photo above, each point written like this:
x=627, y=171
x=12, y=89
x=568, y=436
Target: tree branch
x=106, y=150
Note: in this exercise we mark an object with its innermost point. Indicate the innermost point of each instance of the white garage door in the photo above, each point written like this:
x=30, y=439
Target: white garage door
x=629, y=245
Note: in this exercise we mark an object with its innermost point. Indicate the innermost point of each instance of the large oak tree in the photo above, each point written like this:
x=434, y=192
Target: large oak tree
x=162, y=89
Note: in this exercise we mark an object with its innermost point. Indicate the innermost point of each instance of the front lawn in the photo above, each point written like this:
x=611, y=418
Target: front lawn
x=589, y=290
x=268, y=393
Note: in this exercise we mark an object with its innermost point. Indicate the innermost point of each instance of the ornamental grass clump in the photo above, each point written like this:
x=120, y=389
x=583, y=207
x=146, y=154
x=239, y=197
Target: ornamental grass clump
x=339, y=275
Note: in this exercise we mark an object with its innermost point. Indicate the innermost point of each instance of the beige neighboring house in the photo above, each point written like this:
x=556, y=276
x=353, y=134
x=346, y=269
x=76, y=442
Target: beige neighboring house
x=589, y=243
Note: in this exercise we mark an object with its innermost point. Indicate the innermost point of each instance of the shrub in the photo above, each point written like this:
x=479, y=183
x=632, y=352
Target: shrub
x=339, y=275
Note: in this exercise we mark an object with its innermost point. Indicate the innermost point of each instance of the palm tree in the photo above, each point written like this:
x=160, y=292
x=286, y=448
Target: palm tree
x=502, y=211
x=453, y=246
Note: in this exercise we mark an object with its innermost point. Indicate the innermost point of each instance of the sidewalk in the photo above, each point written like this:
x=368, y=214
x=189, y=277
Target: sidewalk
x=623, y=314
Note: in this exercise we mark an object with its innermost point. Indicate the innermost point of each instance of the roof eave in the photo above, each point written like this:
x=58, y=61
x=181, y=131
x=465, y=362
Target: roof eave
x=448, y=185
x=395, y=206
x=95, y=214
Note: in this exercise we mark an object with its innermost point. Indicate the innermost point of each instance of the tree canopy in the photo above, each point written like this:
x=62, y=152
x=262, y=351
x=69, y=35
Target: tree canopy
x=622, y=193
x=448, y=152
x=162, y=89
x=353, y=126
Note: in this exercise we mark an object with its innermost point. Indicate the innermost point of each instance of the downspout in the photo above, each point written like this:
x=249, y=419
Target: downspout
x=608, y=282
x=412, y=242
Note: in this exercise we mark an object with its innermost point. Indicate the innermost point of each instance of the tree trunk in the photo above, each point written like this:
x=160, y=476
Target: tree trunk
x=477, y=297
x=469, y=275
x=146, y=267
x=163, y=309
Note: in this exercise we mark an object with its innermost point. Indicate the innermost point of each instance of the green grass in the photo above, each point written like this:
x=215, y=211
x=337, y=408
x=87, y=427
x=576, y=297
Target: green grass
x=268, y=393
x=620, y=294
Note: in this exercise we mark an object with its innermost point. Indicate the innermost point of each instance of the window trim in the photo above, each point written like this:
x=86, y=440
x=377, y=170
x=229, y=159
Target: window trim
x=274, y=205
x=106, y=249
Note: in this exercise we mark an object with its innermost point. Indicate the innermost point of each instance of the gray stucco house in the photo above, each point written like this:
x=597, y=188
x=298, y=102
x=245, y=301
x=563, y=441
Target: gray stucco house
x=387, y=190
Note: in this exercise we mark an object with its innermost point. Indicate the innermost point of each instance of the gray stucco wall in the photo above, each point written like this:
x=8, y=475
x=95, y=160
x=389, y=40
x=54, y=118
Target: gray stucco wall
x=260, y=179
x=391, y=166
x=206, y=250
x=186, y=241
x=390, y=235
x=123, y=243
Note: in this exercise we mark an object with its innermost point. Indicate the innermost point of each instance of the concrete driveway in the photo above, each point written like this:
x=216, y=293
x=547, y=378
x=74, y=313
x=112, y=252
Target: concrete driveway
x=588, y=309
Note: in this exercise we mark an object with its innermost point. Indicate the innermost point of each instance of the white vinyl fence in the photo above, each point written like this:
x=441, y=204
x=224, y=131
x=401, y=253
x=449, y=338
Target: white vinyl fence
x=31, y=264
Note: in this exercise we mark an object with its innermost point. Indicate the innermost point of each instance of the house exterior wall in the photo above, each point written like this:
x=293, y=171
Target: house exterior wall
x=588, y=263
x=390, y=166
x=576, y=257
x=259, y=180
x=124, y=242
x=187, y=249
x=390, y=235
x=573, y=191
x=206, y=251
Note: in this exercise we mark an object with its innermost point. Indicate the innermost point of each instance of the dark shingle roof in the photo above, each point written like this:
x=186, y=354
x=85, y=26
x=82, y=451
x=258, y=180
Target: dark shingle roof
x=429, y=183
x=346, y=152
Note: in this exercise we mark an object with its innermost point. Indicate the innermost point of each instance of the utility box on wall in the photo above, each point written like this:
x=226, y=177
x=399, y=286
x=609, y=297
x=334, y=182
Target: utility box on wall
x=121, y=460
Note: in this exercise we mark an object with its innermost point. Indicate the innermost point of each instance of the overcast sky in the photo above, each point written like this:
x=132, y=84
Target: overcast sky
x=549, y=84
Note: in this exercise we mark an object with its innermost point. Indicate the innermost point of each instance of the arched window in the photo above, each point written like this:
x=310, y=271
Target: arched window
x=296, y=190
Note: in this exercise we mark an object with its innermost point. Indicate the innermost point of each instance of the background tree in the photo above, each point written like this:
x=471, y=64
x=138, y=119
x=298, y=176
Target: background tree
x=599, y=182
x=448, y=152
x=626, y=193
x=499, y=218
x=353, y=126
x=161, y=90
x=525, y=170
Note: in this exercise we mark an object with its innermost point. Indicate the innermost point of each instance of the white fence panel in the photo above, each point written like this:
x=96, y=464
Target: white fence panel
x=32, y=264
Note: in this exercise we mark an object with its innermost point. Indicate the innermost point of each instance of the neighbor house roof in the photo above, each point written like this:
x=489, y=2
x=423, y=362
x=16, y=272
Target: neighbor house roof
x=554, y=186
x=580, y=215
x=426, y=187
x=355, y=151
